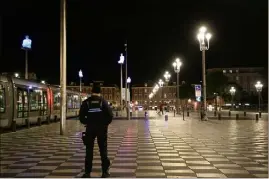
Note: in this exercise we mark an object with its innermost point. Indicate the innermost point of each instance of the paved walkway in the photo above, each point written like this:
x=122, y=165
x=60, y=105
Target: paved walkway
x=143, y=148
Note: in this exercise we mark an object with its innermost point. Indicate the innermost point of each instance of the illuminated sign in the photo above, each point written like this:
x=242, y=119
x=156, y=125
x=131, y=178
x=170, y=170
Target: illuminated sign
x=198, y=99
x=198, y=92
x=27, y=43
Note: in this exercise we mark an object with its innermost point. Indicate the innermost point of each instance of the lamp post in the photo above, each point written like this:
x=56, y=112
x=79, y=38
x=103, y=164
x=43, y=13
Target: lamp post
x=127, y=108
x=167, y=77
x=63, y=65
x=161, y=85
x=177, y=64
x=204, y=45
x=121, y=61
x=26, y=46
x=232, y=91
x=80, y=74
x=128, y=86
x=258, y=87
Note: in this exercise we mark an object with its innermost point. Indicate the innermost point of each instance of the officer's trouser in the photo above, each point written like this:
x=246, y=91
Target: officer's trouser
x=101, y=134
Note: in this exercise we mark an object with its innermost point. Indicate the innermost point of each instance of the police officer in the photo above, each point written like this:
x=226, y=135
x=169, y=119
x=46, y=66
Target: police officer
x=96, y=114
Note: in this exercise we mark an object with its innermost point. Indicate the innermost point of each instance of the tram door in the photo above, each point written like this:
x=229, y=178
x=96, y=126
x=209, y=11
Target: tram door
x=22, y=103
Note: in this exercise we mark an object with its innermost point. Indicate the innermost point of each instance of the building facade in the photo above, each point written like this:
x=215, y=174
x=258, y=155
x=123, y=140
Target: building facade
x=245, y=77
x=166, y=94
x=111, y=93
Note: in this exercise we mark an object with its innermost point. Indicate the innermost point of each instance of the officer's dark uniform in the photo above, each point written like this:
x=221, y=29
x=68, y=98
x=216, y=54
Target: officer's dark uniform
x=97, y=115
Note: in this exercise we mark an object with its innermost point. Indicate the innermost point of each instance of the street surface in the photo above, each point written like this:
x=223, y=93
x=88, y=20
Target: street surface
x=143, y=148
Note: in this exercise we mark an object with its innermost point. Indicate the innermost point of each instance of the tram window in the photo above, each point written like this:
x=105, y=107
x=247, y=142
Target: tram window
x=45, y=100
x=34, y=99
x=2, y=100
x=69, y=102
x=56, y=101
x=76, y=102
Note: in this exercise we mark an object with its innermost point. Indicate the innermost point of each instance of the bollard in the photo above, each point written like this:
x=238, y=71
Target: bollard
x=215, y=113
x=229, y=113
x=257, y=117
x=27, y=122
x=166, y=117
x=116, y=113
x=245, y=113
x=201, y=114
x=55, y=118
x=131, y=114
x=188, y=113
x=13, y=124
x=260, y=114
x=237, y=116
x=39, y=121
x=146, y=113
x=174, y=113
x=219, y=116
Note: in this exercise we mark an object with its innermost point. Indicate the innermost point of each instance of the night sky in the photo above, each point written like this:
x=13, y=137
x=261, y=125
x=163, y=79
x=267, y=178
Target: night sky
x=157, y=32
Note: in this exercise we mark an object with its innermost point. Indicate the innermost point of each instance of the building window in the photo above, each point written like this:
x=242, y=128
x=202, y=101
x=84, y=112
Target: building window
x=110, y=97
x=2, y=100
x=237, y=78
x=145, y=90
x=105, y=96
x=231, y=71
x=224, y=71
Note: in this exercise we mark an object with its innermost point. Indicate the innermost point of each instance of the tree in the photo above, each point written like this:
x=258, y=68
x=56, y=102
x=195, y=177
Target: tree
x=216, y=83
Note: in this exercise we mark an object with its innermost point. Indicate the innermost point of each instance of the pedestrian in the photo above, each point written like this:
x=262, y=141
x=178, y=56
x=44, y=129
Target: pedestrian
x=96, y=114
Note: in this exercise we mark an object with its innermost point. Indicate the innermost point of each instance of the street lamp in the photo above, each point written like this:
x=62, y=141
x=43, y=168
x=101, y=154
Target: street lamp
x=232, y=91
x=17, y=75
x=167, y=76
x=177, y=64
x=121, y=61
x=43, y=82
x=26, y=46
x=258, y=87
x=161, y=85
x=80, y=74
x=204, y=45
x=128, y=81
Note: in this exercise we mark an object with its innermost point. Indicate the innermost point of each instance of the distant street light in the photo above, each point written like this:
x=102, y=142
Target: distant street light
x=232, y=91
x=121, y=61
x=128, y=81
x=17, y=75
x=80, y=74
x=203, y=47
x=26, y=46
x=43, y=82
x=167, y=76
x=161, y=86
x=177, y=64
x=258, y=87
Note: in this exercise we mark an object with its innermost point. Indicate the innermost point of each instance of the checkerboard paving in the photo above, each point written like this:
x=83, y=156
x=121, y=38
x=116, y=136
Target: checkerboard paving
x=142, y=148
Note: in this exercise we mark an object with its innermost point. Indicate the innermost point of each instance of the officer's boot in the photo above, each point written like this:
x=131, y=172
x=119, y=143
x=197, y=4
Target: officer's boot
x=86, y=175
x=105, y=171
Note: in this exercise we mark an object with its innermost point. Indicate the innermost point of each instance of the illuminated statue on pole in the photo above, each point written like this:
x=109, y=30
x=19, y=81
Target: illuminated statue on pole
x=27, y=43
